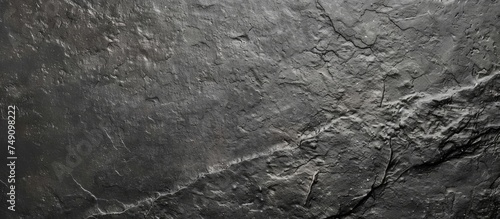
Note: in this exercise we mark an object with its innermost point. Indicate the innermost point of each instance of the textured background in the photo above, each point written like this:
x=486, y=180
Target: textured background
x=252, y=109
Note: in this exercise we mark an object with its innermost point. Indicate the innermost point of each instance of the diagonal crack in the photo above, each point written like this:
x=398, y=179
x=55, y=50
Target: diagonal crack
x=383, y=95
x=211, y=170
x=85, y=190
x=332, y=24
x=314, y=180
x=373, y=188
x=457, y=152
x=97, y=208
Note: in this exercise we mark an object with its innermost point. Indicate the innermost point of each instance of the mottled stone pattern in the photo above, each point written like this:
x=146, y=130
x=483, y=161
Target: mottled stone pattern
x=253, y=109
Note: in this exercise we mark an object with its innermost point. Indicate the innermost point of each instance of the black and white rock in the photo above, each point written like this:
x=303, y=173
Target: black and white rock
x=253, y=109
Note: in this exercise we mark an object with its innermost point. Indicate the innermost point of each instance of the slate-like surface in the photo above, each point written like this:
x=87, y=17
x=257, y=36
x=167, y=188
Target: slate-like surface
x=253, y=109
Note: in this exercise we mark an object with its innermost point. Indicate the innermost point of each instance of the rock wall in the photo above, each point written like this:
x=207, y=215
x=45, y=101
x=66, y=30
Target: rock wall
x=253, y=109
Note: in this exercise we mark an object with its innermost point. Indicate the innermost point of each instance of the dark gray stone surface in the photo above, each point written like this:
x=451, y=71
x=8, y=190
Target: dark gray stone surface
x=253, y=109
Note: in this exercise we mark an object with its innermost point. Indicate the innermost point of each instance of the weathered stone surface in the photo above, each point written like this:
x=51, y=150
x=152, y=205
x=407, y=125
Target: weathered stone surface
x=253, y=109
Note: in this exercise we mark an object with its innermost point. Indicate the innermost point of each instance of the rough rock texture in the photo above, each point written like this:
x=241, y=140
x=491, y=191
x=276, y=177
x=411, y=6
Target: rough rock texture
x=253, y=109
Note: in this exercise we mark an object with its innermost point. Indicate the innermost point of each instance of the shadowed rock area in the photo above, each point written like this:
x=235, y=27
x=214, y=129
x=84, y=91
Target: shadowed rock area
x=252, y=109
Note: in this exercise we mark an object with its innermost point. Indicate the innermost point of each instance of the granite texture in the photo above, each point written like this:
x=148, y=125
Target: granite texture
x=253, y=109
